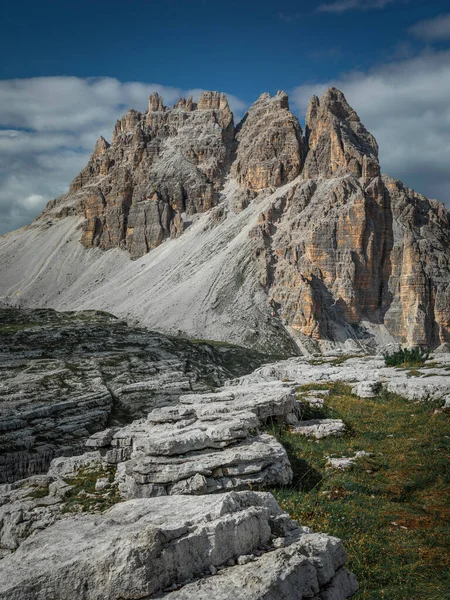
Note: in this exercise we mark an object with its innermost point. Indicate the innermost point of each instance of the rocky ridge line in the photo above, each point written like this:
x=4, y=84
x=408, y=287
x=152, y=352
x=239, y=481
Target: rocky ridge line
x=330, y=251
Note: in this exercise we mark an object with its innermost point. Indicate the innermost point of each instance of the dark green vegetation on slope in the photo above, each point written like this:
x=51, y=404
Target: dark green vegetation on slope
x=392, y=509
x=407, y=357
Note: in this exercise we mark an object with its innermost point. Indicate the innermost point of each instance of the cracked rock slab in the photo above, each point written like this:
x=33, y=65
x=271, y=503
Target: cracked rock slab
x=142, y=547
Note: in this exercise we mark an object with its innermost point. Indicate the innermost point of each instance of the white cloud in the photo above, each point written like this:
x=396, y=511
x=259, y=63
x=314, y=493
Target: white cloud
x=433, y=30
x=341, y=6
x=48, y=128
x=405, y=105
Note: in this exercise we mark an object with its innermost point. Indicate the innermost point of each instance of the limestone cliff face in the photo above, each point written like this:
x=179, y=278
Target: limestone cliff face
x=346, y=245
x=338, y=141
x=340, y=248
x=161, y=167
x=270, y=145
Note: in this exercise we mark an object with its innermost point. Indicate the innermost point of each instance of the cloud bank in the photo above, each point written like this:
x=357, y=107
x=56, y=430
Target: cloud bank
x=405, y=104
x=341, y=6
x=433, y=30
x=48, y=128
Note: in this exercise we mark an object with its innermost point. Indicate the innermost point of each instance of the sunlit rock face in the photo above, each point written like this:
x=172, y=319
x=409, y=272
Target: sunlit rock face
x=324, y=247
x=338, y=141
x=271, y=148
x=161, y=167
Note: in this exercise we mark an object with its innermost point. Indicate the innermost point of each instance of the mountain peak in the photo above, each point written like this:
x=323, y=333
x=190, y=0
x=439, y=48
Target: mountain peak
x=271, y=148
x=155, y=103
x=212, y=101
x=338, y=142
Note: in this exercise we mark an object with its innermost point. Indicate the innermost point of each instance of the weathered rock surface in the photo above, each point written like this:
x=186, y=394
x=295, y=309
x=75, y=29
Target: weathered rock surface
x=66, y=375
x=141, y=547
x=270, y=145
x=160, y=167
x=320, y=428
x=344, y=462
x=284, y=237
x=338, y=142
x=70, y=534
x=428, y=383
x=206, y=444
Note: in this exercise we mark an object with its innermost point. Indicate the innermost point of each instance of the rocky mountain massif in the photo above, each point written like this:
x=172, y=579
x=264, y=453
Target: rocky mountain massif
x=259, y=234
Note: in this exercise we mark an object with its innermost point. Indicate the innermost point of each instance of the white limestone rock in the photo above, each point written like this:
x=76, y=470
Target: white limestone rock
x=366, y=389
x=320, y=428
x=256, y=461
x=143, y=547
x=345, y=462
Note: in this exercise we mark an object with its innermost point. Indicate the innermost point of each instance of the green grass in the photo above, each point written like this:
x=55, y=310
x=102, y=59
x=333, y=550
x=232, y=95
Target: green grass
x=93, y=501
x=15, y=327
x=392, y=509
x=39, y=492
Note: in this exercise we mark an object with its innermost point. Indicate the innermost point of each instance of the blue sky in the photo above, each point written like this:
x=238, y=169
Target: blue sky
x=80, y=64
x=246, y=47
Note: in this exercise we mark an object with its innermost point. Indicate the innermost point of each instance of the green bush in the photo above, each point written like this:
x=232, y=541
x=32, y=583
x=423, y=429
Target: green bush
x=407, y=357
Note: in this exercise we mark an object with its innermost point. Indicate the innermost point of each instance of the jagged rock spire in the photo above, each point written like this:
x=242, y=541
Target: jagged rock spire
x=212, y=100
x=338, y=141
x=101, y=146
x=311, y=115
x=271, y=148
x=155, y=103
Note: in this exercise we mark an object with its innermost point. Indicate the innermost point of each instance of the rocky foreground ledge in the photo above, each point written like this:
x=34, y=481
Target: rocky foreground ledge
x=231, y=545
x=67, y=375
x=162, y=506
x=168, y=505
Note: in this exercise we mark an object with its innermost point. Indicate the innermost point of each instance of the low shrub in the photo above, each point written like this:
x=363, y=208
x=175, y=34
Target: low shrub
x=407, y=357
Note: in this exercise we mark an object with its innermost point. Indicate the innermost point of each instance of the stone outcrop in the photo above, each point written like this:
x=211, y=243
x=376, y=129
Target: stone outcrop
x=340, y=253
x=205, y=444
x=320, y=428
x=428, y=383
x=338, y=143
x=286, y=238
x=270, y=145
x=161, y=167
x=66, y=375
x=163, y=506
x=149, y=546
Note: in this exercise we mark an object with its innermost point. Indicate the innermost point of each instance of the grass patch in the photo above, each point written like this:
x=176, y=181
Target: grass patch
x=39, y=492
x=392, y=509
x=15, y=327
x=337, y=361
x=84, y=498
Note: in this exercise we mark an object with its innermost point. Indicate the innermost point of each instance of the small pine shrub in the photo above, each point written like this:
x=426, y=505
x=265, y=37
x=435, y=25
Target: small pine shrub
x=407, y=357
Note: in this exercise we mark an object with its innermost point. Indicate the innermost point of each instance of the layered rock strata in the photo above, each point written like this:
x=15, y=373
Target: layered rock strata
x=191, y=543
x=205, y=444
x=161, y=167
x=66, y=375
x=428, y=383
x=270, y=145
x=142, y=547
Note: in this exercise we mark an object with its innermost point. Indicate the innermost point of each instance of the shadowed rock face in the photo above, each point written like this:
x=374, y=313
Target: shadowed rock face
x=332, y=249
x=67, y=375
